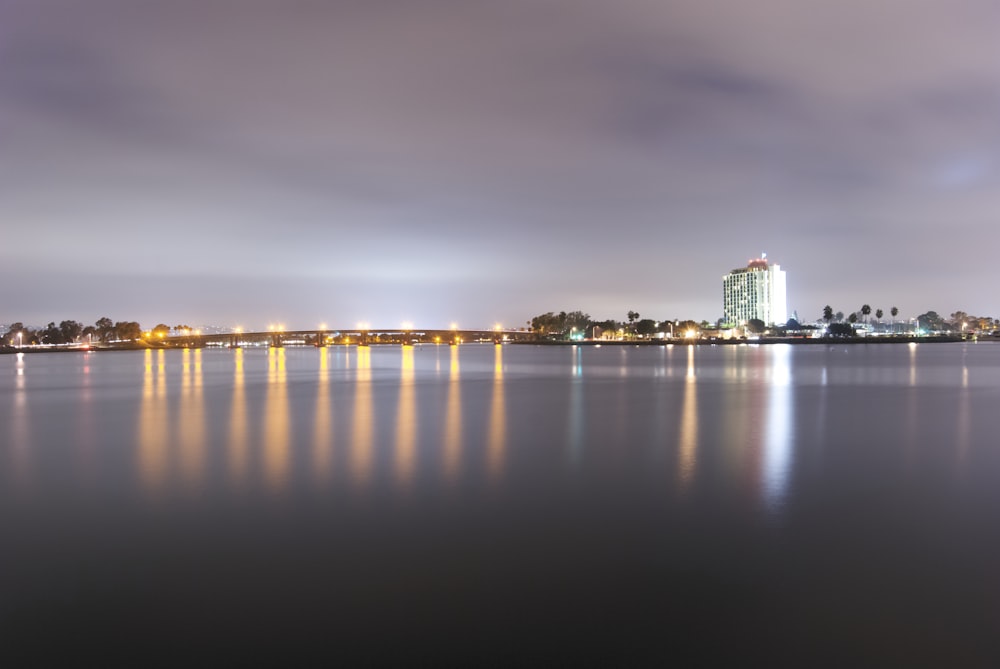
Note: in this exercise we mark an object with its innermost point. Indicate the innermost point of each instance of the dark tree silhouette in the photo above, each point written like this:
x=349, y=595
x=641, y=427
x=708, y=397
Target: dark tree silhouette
x=104, y=327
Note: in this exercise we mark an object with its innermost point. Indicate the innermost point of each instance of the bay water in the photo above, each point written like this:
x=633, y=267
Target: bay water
x=517, y=505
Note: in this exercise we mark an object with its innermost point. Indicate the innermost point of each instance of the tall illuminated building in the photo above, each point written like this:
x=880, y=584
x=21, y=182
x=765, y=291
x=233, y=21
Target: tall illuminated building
x=755, y=291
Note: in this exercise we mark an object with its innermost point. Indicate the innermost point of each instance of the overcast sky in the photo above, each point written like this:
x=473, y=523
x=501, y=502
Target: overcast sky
x=251, y=162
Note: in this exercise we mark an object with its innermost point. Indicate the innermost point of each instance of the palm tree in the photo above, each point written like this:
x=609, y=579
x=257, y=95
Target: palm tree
x=878, y=317
x=633, y=316
x=828, y=314
x=894, y=311
x=865, y=310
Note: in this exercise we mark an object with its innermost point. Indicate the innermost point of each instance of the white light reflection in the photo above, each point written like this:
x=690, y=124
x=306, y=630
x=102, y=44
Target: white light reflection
x=19, y=435
x=689, y=425
x=779, y=428
x=964, y=416
x=575, y=428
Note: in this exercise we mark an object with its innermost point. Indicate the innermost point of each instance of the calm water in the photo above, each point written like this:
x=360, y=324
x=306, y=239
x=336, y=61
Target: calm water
x=806, y=506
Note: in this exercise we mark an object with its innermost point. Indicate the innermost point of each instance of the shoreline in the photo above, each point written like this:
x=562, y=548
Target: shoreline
x=795, y=341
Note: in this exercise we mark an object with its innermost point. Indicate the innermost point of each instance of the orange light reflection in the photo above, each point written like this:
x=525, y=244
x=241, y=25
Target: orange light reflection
x=323, y=424
x=238, y=455
x=406, y=419
x=361, y=442
x=453, y=421
x=497, y=438
x=276, y=422
x=191, y=421
x=152, y=433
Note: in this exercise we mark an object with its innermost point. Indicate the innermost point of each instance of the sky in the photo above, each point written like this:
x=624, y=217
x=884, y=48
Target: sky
x=251, y=162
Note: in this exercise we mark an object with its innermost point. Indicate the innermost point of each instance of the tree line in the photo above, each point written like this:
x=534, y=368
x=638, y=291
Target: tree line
x=929, y=321
x=103, y=331
x=563, y=325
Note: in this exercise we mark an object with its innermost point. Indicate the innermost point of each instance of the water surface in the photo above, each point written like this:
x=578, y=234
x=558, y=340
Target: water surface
x=803, y=505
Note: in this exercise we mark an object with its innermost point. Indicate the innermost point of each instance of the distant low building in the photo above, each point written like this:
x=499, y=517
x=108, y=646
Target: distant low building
x=756, y=291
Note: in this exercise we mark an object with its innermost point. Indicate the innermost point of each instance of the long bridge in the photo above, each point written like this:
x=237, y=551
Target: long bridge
x=357, y=336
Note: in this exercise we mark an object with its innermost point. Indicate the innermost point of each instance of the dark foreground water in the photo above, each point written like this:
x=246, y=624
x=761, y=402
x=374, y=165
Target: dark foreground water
x=507, y=506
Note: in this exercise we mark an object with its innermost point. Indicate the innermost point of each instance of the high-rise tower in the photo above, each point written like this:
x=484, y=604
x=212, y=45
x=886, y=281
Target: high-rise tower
x=755, y=291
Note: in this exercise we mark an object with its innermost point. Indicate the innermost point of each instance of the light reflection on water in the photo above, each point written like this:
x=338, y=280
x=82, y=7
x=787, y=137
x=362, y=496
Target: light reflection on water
x=363, y=419
x=736, y=414
x=406, y=422
x=191, y=421
x=323, y=422
x=688, y=440
x=239, y=433
x=446, y=492
x=780, y=427
x=277, y=424
x=452, y=460
x=20, y=433
x=497, y=441
x=153, y=435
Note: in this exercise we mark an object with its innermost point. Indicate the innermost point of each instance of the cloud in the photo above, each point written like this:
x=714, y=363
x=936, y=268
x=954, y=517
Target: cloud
x=450, y=139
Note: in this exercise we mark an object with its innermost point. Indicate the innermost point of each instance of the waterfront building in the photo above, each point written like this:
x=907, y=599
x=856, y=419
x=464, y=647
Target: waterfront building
x=756, y=291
